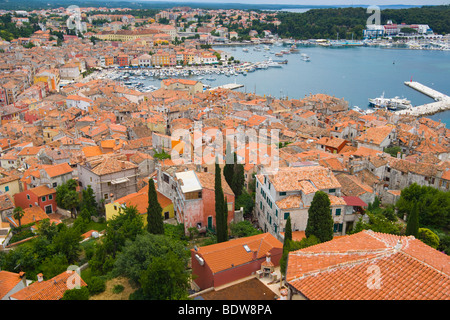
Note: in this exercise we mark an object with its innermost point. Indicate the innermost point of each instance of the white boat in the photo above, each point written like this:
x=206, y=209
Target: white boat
x=305, y=57
x=390, y=103
x=271, y=63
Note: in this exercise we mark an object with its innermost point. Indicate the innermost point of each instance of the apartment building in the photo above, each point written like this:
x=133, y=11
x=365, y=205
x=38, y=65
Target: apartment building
x=289, y=191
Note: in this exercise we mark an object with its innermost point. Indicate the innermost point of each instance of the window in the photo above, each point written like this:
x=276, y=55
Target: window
x=6, y=188
x=28, y=196
x=332, y=190
x=43, y=198
x=50, y=197
x=286, y=215
x=105, y=196
x=115, y=208
x=338, y=212
x=283, y=193
x=55, y=184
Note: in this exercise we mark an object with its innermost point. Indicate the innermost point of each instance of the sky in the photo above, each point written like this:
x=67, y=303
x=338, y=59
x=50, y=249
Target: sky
x=327, y=2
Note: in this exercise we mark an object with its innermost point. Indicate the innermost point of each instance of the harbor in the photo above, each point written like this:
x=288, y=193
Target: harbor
x=442, y=101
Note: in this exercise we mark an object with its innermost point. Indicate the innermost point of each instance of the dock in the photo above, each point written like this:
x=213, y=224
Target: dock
x=230, y=86
x=442, y=101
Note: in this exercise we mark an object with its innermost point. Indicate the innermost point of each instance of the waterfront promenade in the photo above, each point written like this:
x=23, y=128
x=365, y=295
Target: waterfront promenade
x=442, y=101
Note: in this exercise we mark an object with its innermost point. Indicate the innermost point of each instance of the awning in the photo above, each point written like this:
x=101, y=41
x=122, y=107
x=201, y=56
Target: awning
x=120, y=180
x=354, y=201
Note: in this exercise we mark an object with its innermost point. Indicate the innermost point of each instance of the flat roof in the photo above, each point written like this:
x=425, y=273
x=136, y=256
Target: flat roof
x=188, y=181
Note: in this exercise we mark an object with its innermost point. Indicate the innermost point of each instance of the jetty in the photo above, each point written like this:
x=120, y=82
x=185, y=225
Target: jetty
x=230, y=86
x=442, y=101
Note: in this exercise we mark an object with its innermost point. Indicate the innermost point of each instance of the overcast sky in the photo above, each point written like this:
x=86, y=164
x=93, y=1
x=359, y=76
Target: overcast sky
x=327, y=2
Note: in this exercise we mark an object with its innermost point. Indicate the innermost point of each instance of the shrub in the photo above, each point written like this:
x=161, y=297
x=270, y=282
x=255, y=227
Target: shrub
x=118, y=288
x=96, y=285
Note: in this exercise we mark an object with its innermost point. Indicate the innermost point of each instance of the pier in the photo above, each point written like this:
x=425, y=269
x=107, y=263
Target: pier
x=230, y=86
x=442, y=101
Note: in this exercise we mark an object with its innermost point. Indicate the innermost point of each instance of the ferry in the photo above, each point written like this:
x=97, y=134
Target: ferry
x=390, y=103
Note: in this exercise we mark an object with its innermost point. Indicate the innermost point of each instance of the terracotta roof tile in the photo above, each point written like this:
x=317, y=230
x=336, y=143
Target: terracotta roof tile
x=339, y=269
x=52, y=289
x=224, y=255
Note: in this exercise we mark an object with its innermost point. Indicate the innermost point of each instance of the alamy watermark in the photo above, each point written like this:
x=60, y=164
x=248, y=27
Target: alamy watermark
x=206, y=146
x=74, y=280
x=374, y=280
x=74, y=21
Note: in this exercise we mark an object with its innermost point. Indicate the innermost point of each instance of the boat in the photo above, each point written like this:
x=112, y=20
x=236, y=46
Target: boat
x=305, y=57
x=271, y=63
x=245, y=50
x=358, y=109
x=390, y=103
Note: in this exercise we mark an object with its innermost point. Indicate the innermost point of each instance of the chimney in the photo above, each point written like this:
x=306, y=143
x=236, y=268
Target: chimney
x=40, y=277
x=255, y=255
x=268, y=257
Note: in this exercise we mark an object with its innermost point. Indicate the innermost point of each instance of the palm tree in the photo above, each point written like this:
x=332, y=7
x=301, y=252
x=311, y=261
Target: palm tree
x=18, y=214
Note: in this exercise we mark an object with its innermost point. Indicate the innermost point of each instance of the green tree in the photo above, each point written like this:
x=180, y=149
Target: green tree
x=412, y=226
x=320, y=221
x=155, y=222
x=18, y=214
x=88, y=201
x=166, y=278
x=288, y=231
x=220, y=206
x=428, y=237
x=238, y=179
x=67, y=196
x=67, y=242
x=54, y=265
x=246, y=201
x=76, y=294
x=243, y=229
x=228, y=169
x=286, y=245
x=137, y=255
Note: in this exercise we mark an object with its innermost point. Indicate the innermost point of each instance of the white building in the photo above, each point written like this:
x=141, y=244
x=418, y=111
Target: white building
x=289, y=191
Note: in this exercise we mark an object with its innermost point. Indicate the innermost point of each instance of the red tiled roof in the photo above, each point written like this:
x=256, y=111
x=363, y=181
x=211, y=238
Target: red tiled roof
x=52, y=289
x=342, y=269
x=8, y=280
x=225, y=255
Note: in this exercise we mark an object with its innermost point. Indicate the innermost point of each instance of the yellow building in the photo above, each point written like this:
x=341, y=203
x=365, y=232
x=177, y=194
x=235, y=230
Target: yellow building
x=49, y=133
x=51, y=77
x=10, y=184
x=140, y=201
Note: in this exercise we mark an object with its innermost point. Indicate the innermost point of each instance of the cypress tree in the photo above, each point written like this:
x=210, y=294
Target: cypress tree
x=320, y=221
x=288, y=232
x=412, y=226
x=238, y=179
x=219, y=204
x=228, y=169
x=155, y=224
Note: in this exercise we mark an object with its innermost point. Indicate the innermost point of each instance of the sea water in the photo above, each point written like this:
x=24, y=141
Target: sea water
x=353, y=73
